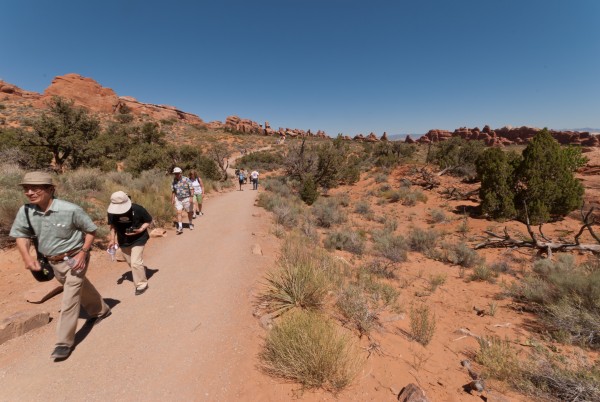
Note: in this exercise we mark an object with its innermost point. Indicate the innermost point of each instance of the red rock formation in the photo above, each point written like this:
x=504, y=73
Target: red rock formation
x=83, y=92
x=384, y=137
x=409, y=140
x=509, y=135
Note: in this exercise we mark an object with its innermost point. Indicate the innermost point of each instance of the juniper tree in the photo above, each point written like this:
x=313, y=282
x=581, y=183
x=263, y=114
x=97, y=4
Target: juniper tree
x=497, y=184
x=546, y=184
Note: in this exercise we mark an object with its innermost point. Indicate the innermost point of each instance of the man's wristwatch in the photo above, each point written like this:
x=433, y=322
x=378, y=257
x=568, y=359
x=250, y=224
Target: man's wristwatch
x=85, y=250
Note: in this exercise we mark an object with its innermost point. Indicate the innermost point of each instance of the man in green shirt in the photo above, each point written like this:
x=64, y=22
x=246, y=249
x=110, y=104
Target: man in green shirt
x=65, y=235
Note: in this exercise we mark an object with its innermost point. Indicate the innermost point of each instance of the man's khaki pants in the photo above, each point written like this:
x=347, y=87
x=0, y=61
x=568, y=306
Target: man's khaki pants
x=134, y=257
x=77, y=292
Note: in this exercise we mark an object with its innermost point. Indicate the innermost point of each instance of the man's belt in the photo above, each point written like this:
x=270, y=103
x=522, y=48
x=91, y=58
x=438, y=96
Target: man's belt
x=61, y=257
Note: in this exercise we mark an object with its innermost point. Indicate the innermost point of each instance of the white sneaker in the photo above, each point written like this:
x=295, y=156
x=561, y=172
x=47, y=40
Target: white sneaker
x=191, y=227
x=194, y=216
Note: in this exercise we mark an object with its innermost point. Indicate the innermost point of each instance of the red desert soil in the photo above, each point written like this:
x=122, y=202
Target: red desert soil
x=193, y=335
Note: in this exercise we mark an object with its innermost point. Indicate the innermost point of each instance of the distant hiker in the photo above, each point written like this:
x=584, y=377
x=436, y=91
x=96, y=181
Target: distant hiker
x=128, y=229
x=198, y=192
x=182, y=198
x=241, y=177
x=254, y=179
x=65, y=234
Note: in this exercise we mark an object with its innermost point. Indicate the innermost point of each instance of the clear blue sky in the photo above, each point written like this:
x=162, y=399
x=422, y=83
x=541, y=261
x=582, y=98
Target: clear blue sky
x=337, y=65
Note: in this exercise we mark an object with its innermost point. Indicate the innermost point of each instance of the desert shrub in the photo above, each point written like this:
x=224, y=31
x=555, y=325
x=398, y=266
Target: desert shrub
x=499, y=359
x=567, y=297
x=307, y=348
x=286, y=215
x=299, y=281
x=500, y=267
x=495, y=169
x=381, y=294
x=343, y=199
x=83, y=180
x=435, y=281
x=308, y=190
x=547, y=183
x=382, y=269
x=362, y=208
x=354, y=306
x=389, y=246
x=460, y=254
x=384, y=188
x=390, y=225
x=422, y=240
x=437, y=215
x=327, y=212
x=482, y=273
x=574, y=379
x=457, y=155
x=278, y=186
x=346, y=240
x=422, y=324
x=381, y=178
x=262, y=160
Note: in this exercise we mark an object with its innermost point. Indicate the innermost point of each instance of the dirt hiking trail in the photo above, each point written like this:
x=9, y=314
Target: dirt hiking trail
x=191, y=336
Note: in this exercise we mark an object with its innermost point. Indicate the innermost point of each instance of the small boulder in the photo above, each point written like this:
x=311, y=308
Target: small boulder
x=412, y=393
x=21, y=323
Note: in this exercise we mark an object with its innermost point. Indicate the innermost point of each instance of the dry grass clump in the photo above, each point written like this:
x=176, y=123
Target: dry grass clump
x=353, y=303
x=435, y=281
x=458, y=254
x=82, y=180
x=422, y=240
x=363, y=208
x=307, y=348
x=542, y=374
x=437, y=216
x=422, y=324
x=392, y=247
x=346, y=240
x=567, y=298
x=404, y=196
x=327, y=212
x=483, y=273
x=381, y=269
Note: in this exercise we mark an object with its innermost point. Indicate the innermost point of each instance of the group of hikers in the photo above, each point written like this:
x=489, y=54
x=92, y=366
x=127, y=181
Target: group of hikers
x=62, y=235
x=242, y=175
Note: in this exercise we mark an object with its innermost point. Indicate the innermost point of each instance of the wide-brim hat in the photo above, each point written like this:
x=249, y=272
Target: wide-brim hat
x=37, y=178
x=119, y=203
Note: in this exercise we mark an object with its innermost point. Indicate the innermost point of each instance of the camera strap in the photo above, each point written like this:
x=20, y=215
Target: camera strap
x=33, y=238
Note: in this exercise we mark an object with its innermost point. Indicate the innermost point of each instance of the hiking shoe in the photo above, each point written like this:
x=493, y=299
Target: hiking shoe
x=97, y=320
x=191, y=226
x=194, y=216
x=61, y=352
x=140, y=291
x=179, y=231
x=200, y=213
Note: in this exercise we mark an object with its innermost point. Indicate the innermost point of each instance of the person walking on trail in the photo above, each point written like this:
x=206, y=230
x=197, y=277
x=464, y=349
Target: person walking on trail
x=254, y=179
x=65, y=234
x=198, y=192
x=241, y=177
x=128, y=229
x=182, y=198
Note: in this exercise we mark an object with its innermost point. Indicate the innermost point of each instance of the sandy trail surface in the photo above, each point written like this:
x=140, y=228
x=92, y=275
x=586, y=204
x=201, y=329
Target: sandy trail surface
x=191, y=336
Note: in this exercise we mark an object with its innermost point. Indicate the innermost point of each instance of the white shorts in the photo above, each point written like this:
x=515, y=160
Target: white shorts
x=183, y=204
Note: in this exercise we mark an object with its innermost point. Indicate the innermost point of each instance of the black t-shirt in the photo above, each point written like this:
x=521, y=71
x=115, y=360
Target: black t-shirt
x=134, y=218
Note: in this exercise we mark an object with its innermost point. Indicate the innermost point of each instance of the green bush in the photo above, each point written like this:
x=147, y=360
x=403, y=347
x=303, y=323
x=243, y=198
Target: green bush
x=308, y=190
x=308, y=349
x=496, y=170
x=262, y=160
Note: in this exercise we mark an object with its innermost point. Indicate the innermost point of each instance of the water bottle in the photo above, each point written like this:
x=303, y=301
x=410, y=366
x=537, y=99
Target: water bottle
x=70, y=262
x=112, y=251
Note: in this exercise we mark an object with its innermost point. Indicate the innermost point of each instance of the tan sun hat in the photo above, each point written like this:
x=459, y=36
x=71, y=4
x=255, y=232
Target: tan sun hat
x=177, y=170
x=119, y=203
x=39, y=178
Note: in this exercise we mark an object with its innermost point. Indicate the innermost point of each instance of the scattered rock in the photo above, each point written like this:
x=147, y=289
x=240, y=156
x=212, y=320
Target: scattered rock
x=256, y=250
x=21, y=323
x=412, y=393
x=43, y=291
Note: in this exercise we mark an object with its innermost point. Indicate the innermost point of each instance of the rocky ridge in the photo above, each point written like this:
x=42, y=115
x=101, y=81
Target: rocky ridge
x=86, y=92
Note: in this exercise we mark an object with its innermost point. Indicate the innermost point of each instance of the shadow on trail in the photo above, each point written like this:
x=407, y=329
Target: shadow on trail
x=128, y=276
x=89, y=323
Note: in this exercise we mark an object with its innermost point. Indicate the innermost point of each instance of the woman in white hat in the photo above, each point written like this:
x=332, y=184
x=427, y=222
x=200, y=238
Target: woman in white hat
x=128, y=229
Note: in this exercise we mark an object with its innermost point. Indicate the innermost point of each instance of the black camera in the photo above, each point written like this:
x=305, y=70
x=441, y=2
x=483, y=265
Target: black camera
x=130, y=230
